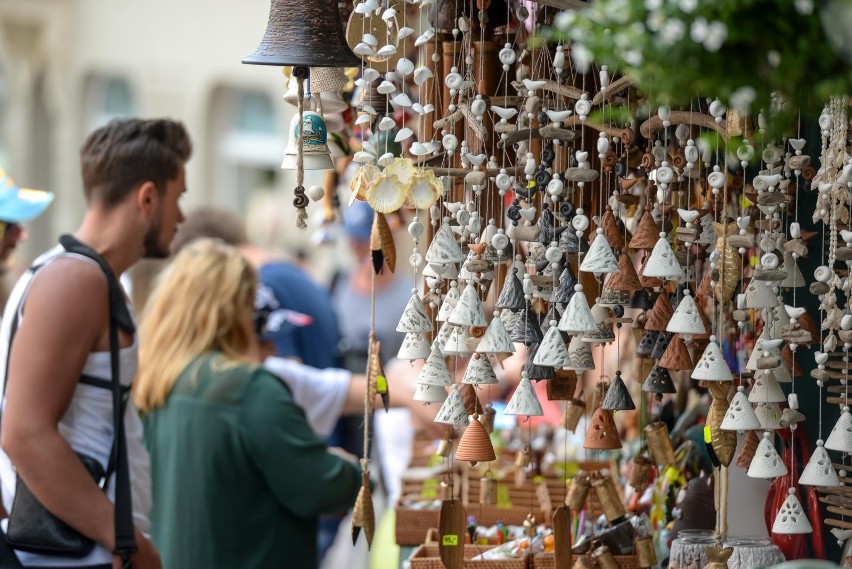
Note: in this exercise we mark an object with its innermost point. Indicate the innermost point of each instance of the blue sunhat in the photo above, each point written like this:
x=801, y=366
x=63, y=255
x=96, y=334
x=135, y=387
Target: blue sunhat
x=20, y=204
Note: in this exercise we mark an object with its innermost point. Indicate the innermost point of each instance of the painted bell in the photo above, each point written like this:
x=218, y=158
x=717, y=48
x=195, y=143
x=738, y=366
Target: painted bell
x=618, y=396
x=602, y=433
x=686, y=319
x=524, y=401
x=512, y=294
x=766, y=389
x=676, y=356
x=552, y=350
x=496, y=339
x=662, y=263
x=769, y=415
x=452, y=411
x=414, y=317
x=527, y=329
x=435, y=371
x=479, y=371
x=315, y=153
x=577, y=318
x=580, y=355
x=600, y=258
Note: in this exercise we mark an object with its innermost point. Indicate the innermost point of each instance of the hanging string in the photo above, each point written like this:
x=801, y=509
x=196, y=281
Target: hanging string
x=300, y=200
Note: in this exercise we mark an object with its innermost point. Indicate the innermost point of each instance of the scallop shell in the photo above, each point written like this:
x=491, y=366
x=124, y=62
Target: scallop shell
x=425, y=190
x=386, y=194
x=364, y=176
x=404, y=170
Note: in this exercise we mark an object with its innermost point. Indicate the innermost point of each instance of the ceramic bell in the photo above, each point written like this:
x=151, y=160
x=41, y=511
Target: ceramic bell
x=748, y=449
x=766, y=462
x=577, y=318
x=450, y=299
x=660, y=314
x=609, y=499
x=524, y=401
x=661, y=345
x=791, y=518
x=712, y=365
x=452, y=411
x=414, y=347
x=740, y=415
x=618, y=396
x=640, y=473
x=758, y=295
x=676, y=356
x=565, y=290
x=444, y=248
x=578, y=491
x=686, y=319
x=819, y=471
x=646, y=343
x=769, y=415
x=469, y=311
x=496, y=339
x=552, y=351
x=602, y=433
x=840, y=437
x=580, y=355
x=662, y=263
x=659, y=381
x=794, y=278
x=512, y=294
x=766, y=389
x=641, y=300
x=527, y=330
x=315, y=153
x=646, y=234
x=456, y=344
x=442, y=336
x=600, y=258
x=414, y=318
x=427, y=394
x=574, y=411
x=475, y=444
x=659, y=443
x=435, y=371
x=479, y=371
x=328, y=82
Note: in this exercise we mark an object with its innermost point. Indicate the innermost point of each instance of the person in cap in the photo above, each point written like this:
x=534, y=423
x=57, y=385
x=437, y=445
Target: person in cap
x=17, y=206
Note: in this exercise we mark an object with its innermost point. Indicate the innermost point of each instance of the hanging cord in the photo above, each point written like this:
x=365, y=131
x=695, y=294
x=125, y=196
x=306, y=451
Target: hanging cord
x=300, y=200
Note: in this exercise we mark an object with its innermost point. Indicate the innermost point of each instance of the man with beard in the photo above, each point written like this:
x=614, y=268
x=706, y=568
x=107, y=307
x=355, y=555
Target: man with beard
x=55, y=345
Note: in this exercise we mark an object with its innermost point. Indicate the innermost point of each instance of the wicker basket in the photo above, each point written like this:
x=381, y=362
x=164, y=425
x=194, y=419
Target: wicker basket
x=547, y=561
x=427, y=557
x=412, y=525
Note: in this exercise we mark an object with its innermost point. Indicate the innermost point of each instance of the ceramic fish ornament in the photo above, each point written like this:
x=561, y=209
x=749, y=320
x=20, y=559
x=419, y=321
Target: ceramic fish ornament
x=730, y=263
x=724, y=443
x=381, y=244
x=377, y=383
x=718, y=558
x=363, y=516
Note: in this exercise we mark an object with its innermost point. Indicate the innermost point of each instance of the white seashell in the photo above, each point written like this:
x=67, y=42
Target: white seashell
x=716, y=179
x=363, y=119
x=363, y=157
x=477, y=107
x=664, y=174
x=385, y=194
x=403, y=134
x=583, y=107
x=450, y=142
x=419, y=149
x=428, y=108
x=717, y=109
x=367, y=7
x=389, y=14
x=417, y=108
x=362, y=49
x=823, y=274
x=421, y=74
x=463, y=25
x=385, y=159
x=369, y=110
x=664, y=112
x=369, y=75
x=745, y=152
x=386, y=51
x=368, y=146
x=795, y=230
x=769, y=261
x=507, y=55
x=846, y=235
x=555, y=187
x=846, y=322
x=404, y=66
x=386, y=87
x=403, y=33
x=424, y=37
x=503, y=181
x=370, y=40
x=453, y=80
x=386, y=123
x=401, y=100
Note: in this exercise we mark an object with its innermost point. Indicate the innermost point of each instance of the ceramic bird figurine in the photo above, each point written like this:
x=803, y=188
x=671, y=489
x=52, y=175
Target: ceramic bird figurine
x=729, y=264
x=724, y=443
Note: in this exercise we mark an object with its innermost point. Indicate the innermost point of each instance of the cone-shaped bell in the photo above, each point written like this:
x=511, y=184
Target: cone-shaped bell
x=512, y=295
x=686, y=319
x=479, y=371
x=609, y=225
x=552, y=351
x=646, y=234
x=766, y=462
x=452, y=411
x=602, y=434
x=456, y=344
x=758, y=295
x=663, y=263
x=450, y=300
x=538, y=372
x=600, y=258
x=435, y=371
x=766, y=389
x=659, y=380
x=794, y=278
x=414, y=347
x=303, y=34
x=526, y=330
x=468, y=310
x=769, y=415
x=791, y=518
x=496, y=339
x=552, y=315
x=442, y=336
x=577, y=318
x=660, y=314
x=429, y=393
x=740, y=415
x=524, y=401
x=712, y=365
x=626, y=278
x=414, y=318
x=562, y=294
x=819, y=470
x=660, y=346
x=641, y=299
x=646, y=343
x=840, y=437
x=618, y=396
x=444, y=248
x=645, y=281
x=580, y=354
x=676, y=356
x=475, y=444
x=570, y=243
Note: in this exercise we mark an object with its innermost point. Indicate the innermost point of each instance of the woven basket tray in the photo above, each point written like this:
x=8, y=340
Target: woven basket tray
x=427, y=557
x=547, y=561
x=412, y=525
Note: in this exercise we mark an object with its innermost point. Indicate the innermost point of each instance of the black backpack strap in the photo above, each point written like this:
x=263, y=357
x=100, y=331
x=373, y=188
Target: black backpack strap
x=125, y=537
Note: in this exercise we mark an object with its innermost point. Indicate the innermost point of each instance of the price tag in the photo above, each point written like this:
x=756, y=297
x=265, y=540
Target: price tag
x=450, y=540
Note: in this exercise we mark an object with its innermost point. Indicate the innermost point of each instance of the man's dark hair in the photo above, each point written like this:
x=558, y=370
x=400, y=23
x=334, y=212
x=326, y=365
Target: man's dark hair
x=213, y=223
x=115, y=159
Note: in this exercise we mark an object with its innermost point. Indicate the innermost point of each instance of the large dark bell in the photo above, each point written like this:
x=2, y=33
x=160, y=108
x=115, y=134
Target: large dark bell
x=659, y=381
x=646, y=343
x=565, y=290
x=512, y=295
x=661, y=344
x=617, y=396
x=527, y=330
x=304, y=34
x=641, y=300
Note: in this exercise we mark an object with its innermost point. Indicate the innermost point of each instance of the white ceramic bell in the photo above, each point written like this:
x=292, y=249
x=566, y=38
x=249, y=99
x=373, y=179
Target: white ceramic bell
x=435, y=371
x=524, y=401
x=599, y=258
x=782, y=373
x=468, y=311
x=315, y=152
x=840, y=437
x=442, y=336
x=414, y=318
x=456, y=344
x=686, y=319
x=759, y=295
x=794, y=277
x=766, y=463
x=479, y=371
x=577, y=318
x=452, y=411
x=791, y=518
x=496, y=339
x=580, y=354
x=766, y=389
x=763, y=346
x=712, y=365
x=769, y=415
x=819, y=470
x=450, y=300
x=429, y=393
x=414, y=347
x=774, y=318
x=552, y=351
x=740, y=415
x=443, y=248
x=662, y=263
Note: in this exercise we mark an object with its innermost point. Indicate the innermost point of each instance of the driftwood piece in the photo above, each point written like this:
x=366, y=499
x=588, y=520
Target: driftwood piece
x=613, y=88
x=462, y=172
x=565, y=4
x=535, y=133
x=566, y=91
x=655, y=123
x=463, y=112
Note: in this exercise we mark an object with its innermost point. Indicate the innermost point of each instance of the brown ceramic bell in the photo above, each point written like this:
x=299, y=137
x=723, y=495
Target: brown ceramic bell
x=487, y=491
x=303, y=34
x=475, y=445
x=660, y=314
x=608, y=496
x=676, y=356
x=602, y=434
x=748, y=449
x=640, y=473
x=626, y=278
x=604, y=558
x=610, y=229
x=647, y=233
x=660, y=444
x=573, y=412
x=578, y=490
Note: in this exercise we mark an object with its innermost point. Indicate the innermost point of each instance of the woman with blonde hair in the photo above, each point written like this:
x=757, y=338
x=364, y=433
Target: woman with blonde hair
x=239, y=479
